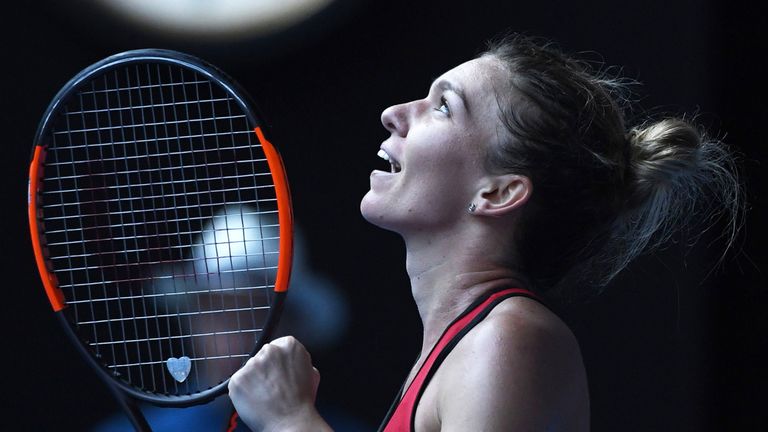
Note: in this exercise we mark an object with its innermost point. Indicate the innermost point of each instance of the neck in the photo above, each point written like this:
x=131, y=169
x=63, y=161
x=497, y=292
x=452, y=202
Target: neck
x=448, y=273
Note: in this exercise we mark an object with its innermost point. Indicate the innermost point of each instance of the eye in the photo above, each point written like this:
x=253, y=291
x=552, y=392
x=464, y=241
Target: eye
x=443, y=108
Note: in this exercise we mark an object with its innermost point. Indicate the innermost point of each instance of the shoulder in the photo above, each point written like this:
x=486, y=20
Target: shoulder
x=520, y=336
x=523, y=326
x=520, y=367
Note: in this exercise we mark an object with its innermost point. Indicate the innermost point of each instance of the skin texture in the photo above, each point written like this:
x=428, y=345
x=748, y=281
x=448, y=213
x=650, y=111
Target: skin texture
x=276, y=389
x=520, y=368
x=439, y=142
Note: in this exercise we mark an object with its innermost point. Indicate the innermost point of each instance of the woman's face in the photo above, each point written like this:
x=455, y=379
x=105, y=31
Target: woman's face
x=437, y=147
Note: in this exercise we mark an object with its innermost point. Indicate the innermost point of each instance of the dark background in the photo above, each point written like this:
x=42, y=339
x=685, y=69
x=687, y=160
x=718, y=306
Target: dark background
x=666, y=346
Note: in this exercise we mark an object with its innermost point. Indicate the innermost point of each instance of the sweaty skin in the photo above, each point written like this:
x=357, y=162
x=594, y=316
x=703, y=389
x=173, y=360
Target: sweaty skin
x=519, y=369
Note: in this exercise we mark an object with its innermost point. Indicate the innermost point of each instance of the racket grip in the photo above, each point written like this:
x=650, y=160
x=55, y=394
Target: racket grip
x=133, y=413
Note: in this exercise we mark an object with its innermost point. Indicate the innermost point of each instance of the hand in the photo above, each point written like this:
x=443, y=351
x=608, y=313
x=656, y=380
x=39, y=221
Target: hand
x=276, y=389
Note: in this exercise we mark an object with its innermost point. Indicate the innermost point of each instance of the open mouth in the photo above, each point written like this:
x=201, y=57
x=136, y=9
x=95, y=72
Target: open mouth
x=394, y=164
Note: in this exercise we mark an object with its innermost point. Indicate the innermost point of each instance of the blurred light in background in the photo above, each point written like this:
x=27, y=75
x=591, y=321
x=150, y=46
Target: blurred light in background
x=224, y=264
x=222, y=19
x=234, y=240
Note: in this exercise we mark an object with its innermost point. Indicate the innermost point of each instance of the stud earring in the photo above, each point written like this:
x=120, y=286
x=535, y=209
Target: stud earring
x=472, y=208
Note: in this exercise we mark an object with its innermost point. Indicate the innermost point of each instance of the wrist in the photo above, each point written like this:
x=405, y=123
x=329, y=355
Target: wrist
x=304, y=420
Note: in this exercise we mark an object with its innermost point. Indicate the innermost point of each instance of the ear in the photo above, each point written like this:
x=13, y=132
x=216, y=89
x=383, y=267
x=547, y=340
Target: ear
x=503, y=195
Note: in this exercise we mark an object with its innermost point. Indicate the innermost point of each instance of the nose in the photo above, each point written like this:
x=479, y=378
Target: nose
x=395, y=119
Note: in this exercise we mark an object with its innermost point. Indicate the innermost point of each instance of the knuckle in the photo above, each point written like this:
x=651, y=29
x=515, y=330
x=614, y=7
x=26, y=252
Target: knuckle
x=234, y=382
x=285, y=341
x=264, y=350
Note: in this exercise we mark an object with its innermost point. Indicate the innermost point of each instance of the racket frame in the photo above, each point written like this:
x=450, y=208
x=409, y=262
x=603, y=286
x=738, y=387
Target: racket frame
x=50, y=283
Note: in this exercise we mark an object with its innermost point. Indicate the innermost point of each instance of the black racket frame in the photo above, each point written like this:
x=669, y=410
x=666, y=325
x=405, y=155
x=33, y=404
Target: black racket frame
x=119, y=388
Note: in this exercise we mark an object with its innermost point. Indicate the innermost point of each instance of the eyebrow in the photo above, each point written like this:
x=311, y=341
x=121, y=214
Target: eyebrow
x=446, y=85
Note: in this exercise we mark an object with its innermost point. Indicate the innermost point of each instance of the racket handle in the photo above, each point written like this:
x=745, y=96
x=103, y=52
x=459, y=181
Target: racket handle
x=232, y=423
x=132, y=411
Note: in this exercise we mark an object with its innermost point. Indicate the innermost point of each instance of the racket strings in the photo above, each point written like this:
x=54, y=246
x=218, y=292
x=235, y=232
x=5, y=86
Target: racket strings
x=161, y=225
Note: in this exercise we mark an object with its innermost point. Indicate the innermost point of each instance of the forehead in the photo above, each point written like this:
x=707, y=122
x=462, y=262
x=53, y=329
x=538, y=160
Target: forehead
x=481, y=80
x=485, y=69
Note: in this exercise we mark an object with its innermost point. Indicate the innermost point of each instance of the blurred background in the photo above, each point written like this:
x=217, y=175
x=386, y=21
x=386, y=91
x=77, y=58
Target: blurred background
x=677, y=342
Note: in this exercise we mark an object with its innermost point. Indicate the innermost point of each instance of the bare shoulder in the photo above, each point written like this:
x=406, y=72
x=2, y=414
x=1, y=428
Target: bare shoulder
x=523, y=326
x=519, y=369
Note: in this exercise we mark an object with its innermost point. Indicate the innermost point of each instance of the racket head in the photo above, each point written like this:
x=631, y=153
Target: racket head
x=161, y=223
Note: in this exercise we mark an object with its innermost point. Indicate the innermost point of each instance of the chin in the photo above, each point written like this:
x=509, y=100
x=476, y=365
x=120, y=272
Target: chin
x=373, y=212
x=369, y=210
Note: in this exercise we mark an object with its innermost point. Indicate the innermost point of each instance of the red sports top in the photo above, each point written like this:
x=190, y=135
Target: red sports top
x=402, y=415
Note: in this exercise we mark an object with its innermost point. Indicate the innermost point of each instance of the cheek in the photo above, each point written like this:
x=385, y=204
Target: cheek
x=445, y=183
x=453, y=165
x=440, y=146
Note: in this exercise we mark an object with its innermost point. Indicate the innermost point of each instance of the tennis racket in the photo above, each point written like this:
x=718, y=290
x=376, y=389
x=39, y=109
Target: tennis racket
x=161, y=225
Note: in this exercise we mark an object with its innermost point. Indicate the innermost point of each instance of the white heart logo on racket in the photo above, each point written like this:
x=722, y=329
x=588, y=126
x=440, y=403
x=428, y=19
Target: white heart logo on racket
x=179, y=367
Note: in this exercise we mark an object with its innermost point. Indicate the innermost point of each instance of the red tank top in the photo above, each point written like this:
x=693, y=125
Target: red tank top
x=401, y=415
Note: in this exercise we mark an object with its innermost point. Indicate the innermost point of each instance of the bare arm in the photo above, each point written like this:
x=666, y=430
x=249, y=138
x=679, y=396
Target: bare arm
x=276, y=389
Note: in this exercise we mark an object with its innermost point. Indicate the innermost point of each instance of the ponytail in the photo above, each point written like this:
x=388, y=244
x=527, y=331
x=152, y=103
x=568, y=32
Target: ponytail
x=677, y=179
x=602, y=194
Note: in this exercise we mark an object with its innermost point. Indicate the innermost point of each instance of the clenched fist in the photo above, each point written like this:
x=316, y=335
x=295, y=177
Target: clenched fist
x=275, y=390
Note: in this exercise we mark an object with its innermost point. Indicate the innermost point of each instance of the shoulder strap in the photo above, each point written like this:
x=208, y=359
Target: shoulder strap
x=404, y=407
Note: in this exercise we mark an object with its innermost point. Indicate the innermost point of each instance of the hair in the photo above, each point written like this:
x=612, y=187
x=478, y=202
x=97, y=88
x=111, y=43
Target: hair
x=603, y=192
